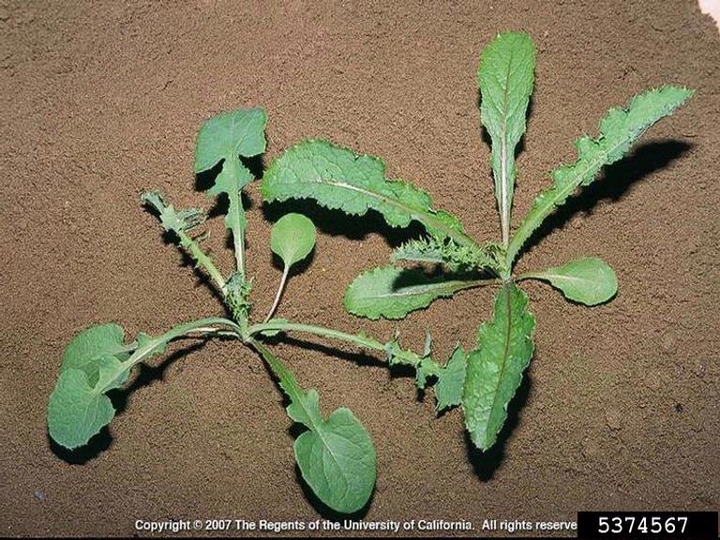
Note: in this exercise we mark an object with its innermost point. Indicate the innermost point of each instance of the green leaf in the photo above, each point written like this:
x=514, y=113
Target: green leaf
x=448, y=253
x=619, y=129
x=292, y=238
x=589, y=281
x=505, y=80
x=336, y=456
x=338, y=461
x=451, y=381
x=171, y=220
x=112, y=373
x=224, y=138
x=495, y=368
x=337, y=178
x=394, y=292
x=181, y=223
x=77, y=411
x=87, y=349
x=94, y=363
x=240, y=132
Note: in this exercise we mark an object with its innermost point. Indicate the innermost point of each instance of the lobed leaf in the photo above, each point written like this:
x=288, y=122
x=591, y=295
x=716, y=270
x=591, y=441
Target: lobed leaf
x=448, y=253
x=505, y=79
x=336, y=456
x=292, y=238
x=619, y=129
x=89, y=347
x=337, y=178
x=495, y=368
x=451, y=381
x=229, y=135
x=95, y=362
x=171, y=220
x=181, y=223
x=589, y=281
x=394, y=292
x=224, y=138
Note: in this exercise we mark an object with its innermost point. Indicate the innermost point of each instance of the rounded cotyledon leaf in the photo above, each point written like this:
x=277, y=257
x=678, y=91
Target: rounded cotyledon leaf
x=589, y=281
x=292, y=238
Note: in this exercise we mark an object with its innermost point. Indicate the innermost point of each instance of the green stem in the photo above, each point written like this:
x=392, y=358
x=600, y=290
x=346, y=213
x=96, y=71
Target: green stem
x=279, y=325
x=178, y=331
x=285, y=376
x=530, y=275
x=202, y=260
x=399, y=355
x=280, y=290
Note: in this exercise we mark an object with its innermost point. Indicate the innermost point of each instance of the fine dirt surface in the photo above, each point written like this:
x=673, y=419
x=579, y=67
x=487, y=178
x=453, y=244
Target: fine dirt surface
x=102, y=100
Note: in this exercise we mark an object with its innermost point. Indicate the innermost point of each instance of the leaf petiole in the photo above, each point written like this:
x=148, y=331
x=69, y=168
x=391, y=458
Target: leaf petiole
x=395, y=353
x=280, y=290
x=147, y=346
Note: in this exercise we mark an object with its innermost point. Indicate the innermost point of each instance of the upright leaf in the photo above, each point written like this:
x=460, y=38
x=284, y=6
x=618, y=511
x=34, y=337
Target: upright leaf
x=181, y=223
x=619, y=129
x=495, y=368
x=229, y=135
x=292, y=239
x=337, y=178
x=505, y=79
x=336, y=456
x=589, y=281
x=394, y=292
x=224, y=138
x=172, y=220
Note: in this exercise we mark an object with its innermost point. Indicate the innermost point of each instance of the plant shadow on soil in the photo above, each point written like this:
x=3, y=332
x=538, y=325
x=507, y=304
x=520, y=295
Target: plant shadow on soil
x=613, y=183
x=146, y=375
x=337, y=223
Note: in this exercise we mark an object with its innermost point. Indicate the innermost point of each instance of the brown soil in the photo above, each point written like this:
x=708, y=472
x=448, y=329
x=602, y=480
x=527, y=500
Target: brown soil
x=103, y=100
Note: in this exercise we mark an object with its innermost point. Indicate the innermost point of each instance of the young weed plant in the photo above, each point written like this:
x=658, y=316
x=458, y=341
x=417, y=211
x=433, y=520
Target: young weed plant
x=483, y=380
x=335, y=455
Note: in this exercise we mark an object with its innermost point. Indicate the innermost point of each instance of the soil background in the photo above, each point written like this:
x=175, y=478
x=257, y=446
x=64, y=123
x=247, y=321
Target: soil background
x=102, y=100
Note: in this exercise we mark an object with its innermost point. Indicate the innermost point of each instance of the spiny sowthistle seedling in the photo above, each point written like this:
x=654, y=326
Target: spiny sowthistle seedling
x=335, y=456
x=484, y=379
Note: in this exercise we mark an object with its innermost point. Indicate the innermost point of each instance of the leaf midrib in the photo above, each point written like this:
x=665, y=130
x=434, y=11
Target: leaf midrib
x=506, y=353
x=416, y=290
x=415, y=213
x=503, y=155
